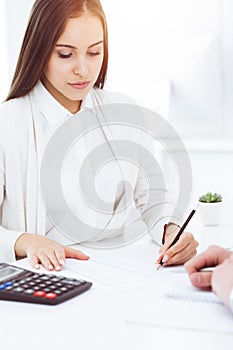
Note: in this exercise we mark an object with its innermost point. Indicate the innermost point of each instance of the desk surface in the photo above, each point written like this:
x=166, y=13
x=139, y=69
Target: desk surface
x=97, y=319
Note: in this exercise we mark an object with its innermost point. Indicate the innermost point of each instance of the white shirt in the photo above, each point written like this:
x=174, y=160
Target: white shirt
x=52, y=115
x=26, y=125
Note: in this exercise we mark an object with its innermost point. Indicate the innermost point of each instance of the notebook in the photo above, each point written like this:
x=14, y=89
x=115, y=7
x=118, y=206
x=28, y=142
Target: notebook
x=188, y=309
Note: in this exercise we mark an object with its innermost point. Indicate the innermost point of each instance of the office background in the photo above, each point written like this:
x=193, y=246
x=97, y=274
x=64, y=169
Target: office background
x=172, y=56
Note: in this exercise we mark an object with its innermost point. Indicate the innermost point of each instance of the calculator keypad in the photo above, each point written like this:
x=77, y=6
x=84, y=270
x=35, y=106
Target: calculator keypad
x=42, y=288
x=46, y=286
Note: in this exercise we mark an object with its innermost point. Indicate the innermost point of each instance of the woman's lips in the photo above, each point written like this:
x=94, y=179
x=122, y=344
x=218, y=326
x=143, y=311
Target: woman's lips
x=79, y=85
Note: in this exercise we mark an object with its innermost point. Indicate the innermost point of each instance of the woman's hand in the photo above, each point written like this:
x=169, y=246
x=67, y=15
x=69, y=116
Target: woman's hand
x=41, y=250
x=181, y=251
x=207, y=280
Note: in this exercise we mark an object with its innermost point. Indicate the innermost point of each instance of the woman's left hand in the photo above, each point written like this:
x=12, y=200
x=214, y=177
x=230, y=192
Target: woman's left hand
x=183, y=250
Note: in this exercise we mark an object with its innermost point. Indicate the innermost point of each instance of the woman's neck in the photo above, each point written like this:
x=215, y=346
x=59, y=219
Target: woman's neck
x=72, y=106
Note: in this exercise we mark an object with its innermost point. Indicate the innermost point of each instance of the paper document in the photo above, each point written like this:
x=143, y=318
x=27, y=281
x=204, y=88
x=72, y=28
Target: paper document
x=188, y=309
x=104, y=276
x=138, y=259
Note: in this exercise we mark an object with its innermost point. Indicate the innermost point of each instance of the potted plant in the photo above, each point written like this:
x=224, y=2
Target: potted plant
x=210, y=206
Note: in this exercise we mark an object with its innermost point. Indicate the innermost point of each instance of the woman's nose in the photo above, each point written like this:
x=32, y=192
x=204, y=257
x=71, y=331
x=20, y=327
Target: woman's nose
x=80, y=67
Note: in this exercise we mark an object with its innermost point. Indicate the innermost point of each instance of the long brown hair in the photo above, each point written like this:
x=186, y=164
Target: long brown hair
x=46, y=24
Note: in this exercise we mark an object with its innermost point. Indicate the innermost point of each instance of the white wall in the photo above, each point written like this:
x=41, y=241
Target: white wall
x=4, y=53
x=227, y=46
x=176, y=41
x=15, y=26
x=13, y=21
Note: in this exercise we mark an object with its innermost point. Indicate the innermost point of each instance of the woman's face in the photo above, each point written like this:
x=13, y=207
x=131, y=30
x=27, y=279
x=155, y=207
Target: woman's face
x=75, y=63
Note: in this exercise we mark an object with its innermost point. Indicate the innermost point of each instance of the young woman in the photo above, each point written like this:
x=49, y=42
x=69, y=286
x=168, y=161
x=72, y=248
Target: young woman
x=61, y=70
x=220, y=281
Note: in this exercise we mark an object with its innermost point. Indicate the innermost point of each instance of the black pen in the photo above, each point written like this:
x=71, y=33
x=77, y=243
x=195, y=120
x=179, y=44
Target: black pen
x=179, y=233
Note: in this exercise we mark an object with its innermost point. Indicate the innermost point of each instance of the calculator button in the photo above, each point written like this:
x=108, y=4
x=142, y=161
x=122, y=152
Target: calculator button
x=8, y=284
x=2, y=287
x=28, y=279
x=57, y=291
x=55, y=279
x=32, y=284
x=69, y=279
x=16, y=284
x=45, y=277
x=69, y=286
x=9, y=288
x=50, y=295
x=38, y=280
x=26, y=286
x=22, y=281
x=29, y=291
x=18, y=289
x=59, y=284
x=39, y=293
x=64, y=289
x=48, y=283
x=52, y=287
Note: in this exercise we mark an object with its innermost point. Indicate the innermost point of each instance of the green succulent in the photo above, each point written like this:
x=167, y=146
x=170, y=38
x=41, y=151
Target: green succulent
x=210, y=197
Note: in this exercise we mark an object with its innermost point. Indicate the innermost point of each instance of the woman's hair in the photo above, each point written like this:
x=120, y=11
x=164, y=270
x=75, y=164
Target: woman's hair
x=46, y=24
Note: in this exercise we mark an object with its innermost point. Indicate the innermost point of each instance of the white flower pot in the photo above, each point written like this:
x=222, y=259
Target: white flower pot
x=210, y=213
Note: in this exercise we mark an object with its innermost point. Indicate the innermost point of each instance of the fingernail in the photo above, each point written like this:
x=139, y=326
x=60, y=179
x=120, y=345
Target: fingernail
x=50, y=267
x=58, y=268
x=165, y=258
x=37, y=266
x=62, y=262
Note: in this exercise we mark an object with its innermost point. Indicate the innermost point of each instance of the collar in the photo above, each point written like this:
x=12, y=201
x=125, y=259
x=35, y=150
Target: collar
x=53, y=111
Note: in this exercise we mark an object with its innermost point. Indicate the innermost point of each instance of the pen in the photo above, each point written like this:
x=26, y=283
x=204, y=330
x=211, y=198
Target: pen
x=179, y=233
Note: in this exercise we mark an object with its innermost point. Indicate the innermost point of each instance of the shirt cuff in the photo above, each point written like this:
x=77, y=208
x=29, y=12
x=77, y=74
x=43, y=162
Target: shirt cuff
x=157, y=232
x=7, y=243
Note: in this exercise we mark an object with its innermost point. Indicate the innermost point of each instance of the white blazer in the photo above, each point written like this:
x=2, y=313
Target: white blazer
x=22, y=208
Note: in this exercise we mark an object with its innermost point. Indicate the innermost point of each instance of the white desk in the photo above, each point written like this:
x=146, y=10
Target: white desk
x=97, y=318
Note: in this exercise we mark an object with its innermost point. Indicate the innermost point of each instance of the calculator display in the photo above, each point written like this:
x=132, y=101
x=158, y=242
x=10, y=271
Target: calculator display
x=7, y=272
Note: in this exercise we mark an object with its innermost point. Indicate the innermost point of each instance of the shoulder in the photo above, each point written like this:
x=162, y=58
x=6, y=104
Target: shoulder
x=11, y=110
x=13, y=106
x=6, y=114
x=107, y=96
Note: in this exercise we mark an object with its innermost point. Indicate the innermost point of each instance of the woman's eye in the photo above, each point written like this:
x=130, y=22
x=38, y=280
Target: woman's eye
x=96, y=53
x=64, y=55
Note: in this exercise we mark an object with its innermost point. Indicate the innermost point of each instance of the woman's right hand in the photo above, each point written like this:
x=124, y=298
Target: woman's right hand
x=41, y=250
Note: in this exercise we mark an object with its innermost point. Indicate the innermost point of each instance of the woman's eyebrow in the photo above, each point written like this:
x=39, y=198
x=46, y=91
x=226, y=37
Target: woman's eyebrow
x=74, y=47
